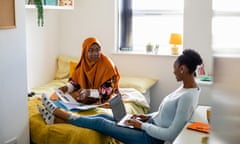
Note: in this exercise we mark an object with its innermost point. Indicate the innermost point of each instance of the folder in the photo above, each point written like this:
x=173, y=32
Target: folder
x=199, y=126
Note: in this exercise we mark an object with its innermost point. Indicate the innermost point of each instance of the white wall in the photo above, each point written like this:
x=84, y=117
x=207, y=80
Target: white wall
x=197, y=29
x=13, y=80
x=89, y=18
x=42, y=46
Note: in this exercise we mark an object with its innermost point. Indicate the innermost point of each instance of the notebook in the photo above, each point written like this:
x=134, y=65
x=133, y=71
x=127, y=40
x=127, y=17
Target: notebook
x=199, y=126
x=67, y=102
x=119, y=112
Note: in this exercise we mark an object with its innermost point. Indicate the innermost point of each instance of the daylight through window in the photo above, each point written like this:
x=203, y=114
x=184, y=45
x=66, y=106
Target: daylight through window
x=149, y=21
x=225, y=26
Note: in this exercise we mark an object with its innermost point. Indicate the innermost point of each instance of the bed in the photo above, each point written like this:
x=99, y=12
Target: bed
x=136, y=95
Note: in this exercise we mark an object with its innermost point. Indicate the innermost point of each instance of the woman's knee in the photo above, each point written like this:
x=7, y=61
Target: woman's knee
x=106, y=116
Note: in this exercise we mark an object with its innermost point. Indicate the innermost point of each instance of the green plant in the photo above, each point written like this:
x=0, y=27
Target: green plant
x=149, y=44
x=39, y=6
x=149, y=47
x=156, y=48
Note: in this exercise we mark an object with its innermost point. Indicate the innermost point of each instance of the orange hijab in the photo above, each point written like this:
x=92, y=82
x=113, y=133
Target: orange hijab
x=91, y=75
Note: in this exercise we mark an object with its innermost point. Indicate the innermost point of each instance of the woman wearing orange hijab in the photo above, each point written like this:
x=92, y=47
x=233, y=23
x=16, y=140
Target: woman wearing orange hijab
x=94, y=74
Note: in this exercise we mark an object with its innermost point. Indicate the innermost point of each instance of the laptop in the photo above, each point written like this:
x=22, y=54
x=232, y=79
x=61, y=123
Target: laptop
x=119, y=112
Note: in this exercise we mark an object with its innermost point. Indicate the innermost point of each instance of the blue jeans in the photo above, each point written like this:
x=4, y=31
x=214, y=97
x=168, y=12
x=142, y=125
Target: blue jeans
x=105, y=124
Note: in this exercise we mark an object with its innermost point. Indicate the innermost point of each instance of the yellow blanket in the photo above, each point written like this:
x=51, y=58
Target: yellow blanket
x=42, y=133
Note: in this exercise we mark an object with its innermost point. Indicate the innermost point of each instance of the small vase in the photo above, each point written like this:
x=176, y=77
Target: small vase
x=156, y=50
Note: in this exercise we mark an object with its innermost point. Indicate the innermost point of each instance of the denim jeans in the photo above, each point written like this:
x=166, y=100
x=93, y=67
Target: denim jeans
x=105, y=124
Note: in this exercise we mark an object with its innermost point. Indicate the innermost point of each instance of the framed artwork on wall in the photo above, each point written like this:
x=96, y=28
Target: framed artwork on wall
x=7, y=14
x=201, y=72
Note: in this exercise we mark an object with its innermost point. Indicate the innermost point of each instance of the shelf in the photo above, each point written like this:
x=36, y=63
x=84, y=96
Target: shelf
x=50, y=7
x=52, y=4
x=201, y=82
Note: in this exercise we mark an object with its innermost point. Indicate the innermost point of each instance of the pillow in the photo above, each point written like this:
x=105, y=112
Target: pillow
x=72, y=67
x=141, y=84
x=63, y=63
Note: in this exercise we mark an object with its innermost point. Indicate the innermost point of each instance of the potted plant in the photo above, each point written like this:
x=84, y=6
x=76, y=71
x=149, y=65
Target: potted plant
x=39, y=6
x=156, y=49
x=149, y=47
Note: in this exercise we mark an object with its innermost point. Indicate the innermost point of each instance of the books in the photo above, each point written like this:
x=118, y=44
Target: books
x=69, y=103
x=76, y=107
x=65, y=97
x=199, y=126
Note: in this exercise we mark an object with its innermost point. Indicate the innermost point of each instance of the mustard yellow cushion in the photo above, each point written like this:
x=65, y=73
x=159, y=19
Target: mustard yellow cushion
x=141, y=84
x=63, y=64
x=72, y=67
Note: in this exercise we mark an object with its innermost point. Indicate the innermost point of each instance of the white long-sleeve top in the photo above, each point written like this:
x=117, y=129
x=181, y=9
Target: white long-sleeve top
x=173, y=113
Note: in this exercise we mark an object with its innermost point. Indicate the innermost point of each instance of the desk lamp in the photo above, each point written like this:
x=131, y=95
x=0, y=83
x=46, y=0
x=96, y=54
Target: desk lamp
x=175, y=39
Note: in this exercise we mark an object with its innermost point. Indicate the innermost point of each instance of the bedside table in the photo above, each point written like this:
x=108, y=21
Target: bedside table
x=187, y=136
x=205, y=94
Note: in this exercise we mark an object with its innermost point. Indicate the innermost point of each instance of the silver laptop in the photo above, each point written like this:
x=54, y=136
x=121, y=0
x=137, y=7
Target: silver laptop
x=119, y=112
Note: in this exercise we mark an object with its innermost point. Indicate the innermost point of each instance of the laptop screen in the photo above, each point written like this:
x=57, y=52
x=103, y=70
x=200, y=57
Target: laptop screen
x=118, y=108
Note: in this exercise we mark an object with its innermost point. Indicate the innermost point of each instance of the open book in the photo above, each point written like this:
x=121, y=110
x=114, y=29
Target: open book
x=69, y=103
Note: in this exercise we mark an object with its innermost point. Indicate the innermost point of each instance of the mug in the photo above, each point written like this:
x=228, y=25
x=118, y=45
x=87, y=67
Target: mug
x=208, y=114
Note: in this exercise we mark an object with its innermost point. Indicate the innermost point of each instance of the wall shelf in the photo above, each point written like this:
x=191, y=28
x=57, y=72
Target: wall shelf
x=57, y=4
x=50, y=7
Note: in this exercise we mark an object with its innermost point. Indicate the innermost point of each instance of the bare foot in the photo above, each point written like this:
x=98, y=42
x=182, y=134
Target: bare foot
x=54, y=97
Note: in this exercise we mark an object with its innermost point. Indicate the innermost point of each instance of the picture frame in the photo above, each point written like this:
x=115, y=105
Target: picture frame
x=201, y=72
x=7, y=14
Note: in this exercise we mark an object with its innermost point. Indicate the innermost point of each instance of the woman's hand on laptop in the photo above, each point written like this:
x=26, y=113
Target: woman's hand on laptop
x=141, y=117
x=134, y=122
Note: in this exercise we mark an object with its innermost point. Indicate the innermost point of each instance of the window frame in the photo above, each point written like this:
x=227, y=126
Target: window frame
x=126, y=14
x=222, y=13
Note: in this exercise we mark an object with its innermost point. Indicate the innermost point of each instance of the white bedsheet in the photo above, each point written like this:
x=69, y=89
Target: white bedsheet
x=132, y=95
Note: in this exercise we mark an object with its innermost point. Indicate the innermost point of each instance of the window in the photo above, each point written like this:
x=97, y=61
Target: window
x=149, y=21
x=225, y=26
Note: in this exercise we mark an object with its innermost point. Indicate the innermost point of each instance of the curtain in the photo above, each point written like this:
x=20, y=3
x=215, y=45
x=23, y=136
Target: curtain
x=125, y=24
